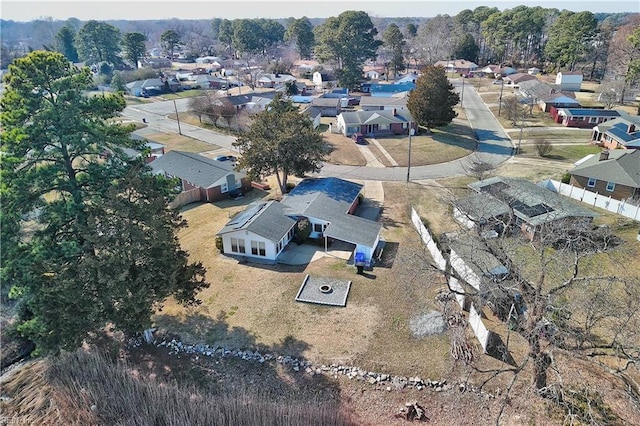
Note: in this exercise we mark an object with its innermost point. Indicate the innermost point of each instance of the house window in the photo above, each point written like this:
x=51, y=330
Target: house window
x=258, y=248
x=237, y=245
x=593, y=120
x=611, y=186
x=591, y=182
x=224, y=188
x=317, y=227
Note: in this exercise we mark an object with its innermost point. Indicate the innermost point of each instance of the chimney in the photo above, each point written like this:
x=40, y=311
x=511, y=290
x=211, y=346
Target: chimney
x=604, y=155
x=632, y=128
x=395, y=112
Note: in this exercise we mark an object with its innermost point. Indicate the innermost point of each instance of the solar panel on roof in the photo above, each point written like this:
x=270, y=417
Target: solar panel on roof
x=242, y=218
x=531, y=211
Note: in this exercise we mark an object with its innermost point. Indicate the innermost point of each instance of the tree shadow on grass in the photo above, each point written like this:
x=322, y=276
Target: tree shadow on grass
x=274, y=381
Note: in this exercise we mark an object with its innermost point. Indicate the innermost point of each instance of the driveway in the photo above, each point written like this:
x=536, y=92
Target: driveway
x=494, y=145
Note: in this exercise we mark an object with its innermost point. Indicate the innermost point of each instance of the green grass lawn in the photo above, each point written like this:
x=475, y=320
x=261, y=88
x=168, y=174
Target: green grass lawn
x=183, y=94
x=444, y=144
x=569, y=153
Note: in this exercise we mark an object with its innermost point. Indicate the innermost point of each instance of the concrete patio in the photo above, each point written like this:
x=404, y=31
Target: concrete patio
x=303, y=254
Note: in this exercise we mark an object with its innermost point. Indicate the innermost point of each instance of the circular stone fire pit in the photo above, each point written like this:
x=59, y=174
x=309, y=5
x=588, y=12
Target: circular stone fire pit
x=326, y=288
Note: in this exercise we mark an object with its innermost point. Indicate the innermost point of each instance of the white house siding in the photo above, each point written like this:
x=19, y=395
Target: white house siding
x=248, y=237
x=314, y=222
x=366, y=250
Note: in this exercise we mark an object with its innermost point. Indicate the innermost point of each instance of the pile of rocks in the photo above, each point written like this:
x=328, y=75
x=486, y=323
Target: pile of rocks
x=379, y=380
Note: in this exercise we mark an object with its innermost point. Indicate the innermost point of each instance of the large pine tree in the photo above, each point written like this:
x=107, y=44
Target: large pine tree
x=88, y=241
x=431, y=102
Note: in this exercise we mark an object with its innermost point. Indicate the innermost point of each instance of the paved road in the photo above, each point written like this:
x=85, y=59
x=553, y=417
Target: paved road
x=494, y=145
x=156, y=114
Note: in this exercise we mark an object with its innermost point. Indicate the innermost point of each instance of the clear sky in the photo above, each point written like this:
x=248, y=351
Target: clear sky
x=207, y=9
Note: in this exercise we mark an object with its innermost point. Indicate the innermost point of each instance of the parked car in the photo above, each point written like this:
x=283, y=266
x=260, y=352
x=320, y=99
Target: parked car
x=497, y=82
x=357, y=137
x=226, y=158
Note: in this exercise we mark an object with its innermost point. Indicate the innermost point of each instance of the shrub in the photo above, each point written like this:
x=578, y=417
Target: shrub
x=219, y=245
x=543, y=147
x=566, y=178
x=302, y=230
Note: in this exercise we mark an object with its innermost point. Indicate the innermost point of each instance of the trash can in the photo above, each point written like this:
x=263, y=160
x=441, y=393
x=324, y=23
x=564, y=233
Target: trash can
x=360, y=269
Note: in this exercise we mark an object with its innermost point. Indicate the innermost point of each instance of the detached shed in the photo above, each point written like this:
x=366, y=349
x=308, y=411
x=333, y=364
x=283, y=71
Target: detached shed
x=571, y=81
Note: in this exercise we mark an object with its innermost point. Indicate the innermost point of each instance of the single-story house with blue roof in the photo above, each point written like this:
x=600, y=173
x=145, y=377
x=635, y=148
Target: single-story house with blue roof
x=328, y=204
x=583, y=117
x=622, y=132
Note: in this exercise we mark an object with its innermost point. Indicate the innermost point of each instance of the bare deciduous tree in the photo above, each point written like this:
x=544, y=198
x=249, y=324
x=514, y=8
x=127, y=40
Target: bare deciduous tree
x=478, y=168
x=558, y=298
x=543, y=146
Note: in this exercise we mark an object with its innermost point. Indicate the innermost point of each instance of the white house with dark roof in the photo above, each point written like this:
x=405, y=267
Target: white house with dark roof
x=546, y=96
x=622, y=132
x=376, y=123
x=206, y=179
x=262, y=231
x=328, y=204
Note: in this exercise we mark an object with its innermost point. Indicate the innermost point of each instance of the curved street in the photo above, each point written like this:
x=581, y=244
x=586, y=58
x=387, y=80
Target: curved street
x=494, y=145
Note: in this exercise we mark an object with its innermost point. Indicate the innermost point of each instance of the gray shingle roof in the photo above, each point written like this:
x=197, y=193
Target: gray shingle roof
x=326, y=102
x=266, y=219
x=376, y=117
x=370, y=101
x=481, y=206
x=194, y=168
x=329, y=199
x=622, y=167
x=530, y=202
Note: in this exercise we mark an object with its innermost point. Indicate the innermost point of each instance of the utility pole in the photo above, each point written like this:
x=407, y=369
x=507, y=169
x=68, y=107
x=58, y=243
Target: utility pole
x=462, y=92
x=411, y=132
x=521, y=127
x=177, y=117
x=500, y=101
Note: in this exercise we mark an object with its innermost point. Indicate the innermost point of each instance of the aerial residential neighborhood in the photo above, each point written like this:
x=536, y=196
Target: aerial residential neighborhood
x=365, y=214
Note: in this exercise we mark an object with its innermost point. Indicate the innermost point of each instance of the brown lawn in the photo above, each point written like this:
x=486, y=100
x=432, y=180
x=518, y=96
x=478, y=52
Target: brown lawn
x=173, y=141
x=342, y=150
x=451, y=142
x=253, y=305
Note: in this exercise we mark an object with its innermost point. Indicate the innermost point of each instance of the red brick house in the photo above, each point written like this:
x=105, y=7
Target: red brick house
x=205, y=179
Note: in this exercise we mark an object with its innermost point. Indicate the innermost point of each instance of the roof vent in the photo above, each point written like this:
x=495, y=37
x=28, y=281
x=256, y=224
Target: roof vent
x=604, y=155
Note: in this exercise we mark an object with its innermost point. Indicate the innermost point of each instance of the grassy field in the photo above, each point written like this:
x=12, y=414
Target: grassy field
x=371, y=331
x=182, y=94
x=560, y=152
x=444, y=144
x=342, y=150
x=173, y=141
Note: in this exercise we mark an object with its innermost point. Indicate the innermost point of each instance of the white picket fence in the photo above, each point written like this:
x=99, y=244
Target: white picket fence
x=593, y=198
